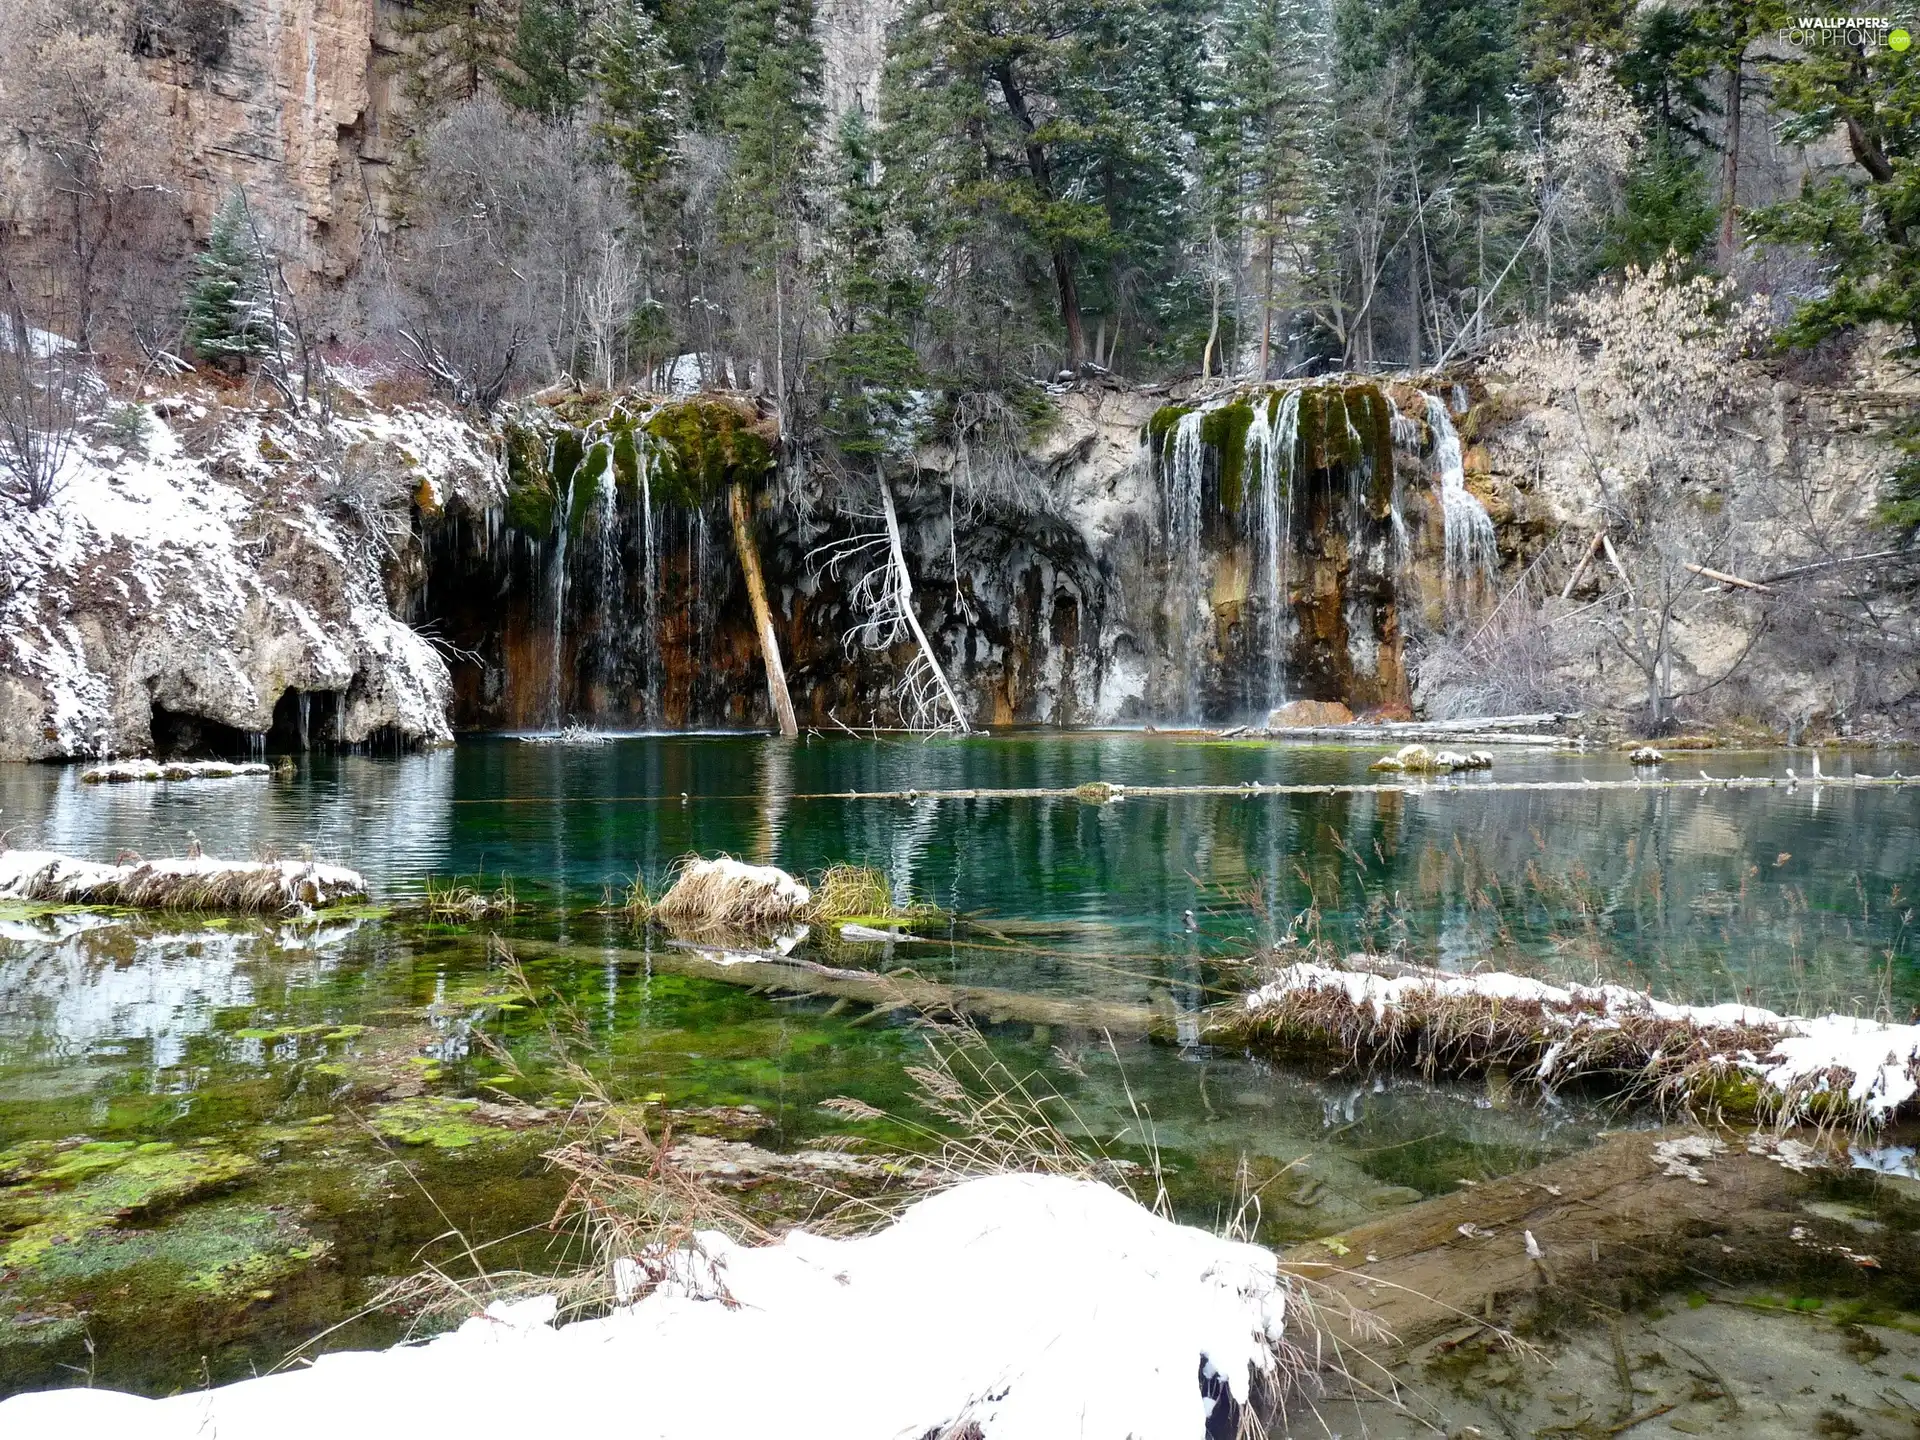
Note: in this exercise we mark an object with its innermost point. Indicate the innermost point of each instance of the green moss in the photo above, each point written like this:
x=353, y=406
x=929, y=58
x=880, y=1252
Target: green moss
x=1161, y=424
x=96, y=1184
x=1372, y=416
x=1312, y=450
x=1225, y=430
x=434, y=1120
x=708, y=445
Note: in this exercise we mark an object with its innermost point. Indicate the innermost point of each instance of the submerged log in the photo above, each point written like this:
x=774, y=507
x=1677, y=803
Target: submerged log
x=756, y=969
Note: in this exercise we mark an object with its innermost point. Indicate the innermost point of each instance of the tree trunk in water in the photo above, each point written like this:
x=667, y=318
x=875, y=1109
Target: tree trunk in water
x=1730, y=169
x=749, y=552
x=905, y=582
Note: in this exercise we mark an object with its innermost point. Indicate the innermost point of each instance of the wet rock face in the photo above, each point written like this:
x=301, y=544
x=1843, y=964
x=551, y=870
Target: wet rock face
x=603, y=591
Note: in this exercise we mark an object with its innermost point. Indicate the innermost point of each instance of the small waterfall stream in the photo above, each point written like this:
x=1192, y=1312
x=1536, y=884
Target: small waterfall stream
x=1269, y=462
x=1470, y=546
x=649, y=631
x=555, y=690
x=1183, y=466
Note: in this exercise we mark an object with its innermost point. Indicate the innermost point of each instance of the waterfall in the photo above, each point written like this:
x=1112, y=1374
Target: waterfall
x=1182, y=467
x=649, y=586
x=612, y=572
x=1470, y=549
x=559, y=602
x=304, y=704
x=1270, y=450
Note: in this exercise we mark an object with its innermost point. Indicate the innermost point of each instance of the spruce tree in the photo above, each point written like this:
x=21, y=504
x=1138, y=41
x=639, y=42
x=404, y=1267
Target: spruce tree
x=870, y=368
x=551, y=61
x=638, y=110
x=229, y=309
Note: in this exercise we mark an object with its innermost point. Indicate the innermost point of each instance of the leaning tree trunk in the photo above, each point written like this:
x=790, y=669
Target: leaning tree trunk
x=905, y=583
x=749, y=552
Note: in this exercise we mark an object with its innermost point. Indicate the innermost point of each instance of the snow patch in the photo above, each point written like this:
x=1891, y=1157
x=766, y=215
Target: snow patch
x=1032, y=1307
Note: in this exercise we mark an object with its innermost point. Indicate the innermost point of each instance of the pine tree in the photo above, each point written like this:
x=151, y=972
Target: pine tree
x=457, y=45
x=770, y=117
x=638, y=105
x=870, y=368
x=229, y=307
x=1043, y=137
x=1265, y=97
x=551, y=61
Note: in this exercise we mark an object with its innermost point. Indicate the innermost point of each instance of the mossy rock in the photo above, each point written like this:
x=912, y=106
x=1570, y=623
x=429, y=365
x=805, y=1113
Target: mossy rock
x=1225, y=431
x=709, y=445
x=1162, y=424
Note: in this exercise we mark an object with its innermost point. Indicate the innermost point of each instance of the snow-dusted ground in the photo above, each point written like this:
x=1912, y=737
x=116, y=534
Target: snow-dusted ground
x=1874, y=1064
x=220, y=558
x=1034, y=1307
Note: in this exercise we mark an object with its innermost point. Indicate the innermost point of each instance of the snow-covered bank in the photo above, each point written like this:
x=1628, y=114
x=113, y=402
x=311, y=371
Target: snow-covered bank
x=209, y=557
x=1031, y=1307
x=197, y=882
x=127, y=771
x=1737, y=1056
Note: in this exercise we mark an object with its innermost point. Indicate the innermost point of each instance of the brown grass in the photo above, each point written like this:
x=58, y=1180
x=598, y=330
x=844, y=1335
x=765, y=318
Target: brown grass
x=1677, y=1065
x=705, y=896
x=457, y=903
x=267, y=887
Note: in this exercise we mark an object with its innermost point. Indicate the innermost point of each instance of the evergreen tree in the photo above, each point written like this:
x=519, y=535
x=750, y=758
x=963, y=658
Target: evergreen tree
x=870, y=368
x=638, y=105
x=1043, y=138
x=1863, y=226
x=551, y=62
x=1265, y=100
x=458, y=45
x=770, y=116
x=1669, y=208
x=229, y=306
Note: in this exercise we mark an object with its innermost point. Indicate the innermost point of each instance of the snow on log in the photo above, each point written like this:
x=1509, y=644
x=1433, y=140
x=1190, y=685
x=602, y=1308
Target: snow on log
x=1736, y=1057
x=1016, y=1307
x=195, y=882
x=121, y=772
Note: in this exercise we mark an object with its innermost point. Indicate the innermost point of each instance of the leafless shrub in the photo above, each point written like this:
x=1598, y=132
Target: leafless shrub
x=39, y=408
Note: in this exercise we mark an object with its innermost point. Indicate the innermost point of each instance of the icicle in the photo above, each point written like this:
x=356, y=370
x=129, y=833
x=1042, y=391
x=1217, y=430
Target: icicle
x=1470, y=546
x=304, y=704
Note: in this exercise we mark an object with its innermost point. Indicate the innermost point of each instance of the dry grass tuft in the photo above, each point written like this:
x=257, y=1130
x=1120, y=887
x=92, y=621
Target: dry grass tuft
x=1675, y=1064
x=458, y=904
x=638, y=905
x=725, y=894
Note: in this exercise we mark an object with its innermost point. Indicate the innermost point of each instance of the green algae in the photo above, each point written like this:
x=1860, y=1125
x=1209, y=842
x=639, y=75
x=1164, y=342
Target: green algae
x=1225, y=431
x=433, y=1120
x=94, y=1185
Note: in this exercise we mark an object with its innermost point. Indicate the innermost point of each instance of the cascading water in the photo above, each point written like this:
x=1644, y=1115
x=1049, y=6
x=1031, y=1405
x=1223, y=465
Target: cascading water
x=1268, y=462
x=1181, y=468
x=559, y=603
x=1470, y=545
x=610, y=589
x=649, y=589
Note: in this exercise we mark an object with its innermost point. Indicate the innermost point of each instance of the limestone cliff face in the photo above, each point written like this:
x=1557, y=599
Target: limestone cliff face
x=299, y=101
x=215, y=577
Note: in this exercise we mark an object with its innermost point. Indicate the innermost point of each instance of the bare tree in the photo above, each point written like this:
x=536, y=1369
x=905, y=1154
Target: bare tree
x=69, y=88
x=39, y=407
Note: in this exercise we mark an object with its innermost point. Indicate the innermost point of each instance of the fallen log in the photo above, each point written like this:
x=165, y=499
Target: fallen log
x=756, y=969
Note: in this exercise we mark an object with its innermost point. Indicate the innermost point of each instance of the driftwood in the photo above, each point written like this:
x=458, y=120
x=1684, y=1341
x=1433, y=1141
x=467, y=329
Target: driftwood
x=1725, y=579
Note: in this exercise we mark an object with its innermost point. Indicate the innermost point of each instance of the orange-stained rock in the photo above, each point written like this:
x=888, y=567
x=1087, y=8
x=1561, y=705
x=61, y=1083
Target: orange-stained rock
x=1297, y=713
